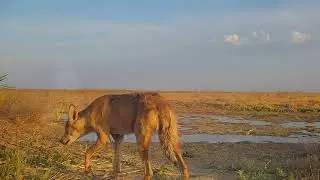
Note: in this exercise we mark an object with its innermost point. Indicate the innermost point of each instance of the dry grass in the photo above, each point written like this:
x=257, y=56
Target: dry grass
x=253, y=102
x=202, y=102
x=15, y=108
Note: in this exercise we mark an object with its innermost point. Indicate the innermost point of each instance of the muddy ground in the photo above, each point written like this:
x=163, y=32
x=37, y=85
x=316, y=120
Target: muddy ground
x=30, y=133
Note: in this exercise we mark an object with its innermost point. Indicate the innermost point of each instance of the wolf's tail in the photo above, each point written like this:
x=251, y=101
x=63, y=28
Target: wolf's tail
x=168, y=133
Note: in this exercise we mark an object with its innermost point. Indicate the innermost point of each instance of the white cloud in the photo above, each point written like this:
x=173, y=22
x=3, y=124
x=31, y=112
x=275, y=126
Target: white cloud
x=268, y=37
x=213, y=39
x=232, y=39
x=261, y=36
x=255, y=34
x=300, y=37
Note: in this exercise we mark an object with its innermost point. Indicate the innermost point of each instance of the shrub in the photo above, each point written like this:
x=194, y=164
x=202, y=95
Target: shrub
x=2, y=79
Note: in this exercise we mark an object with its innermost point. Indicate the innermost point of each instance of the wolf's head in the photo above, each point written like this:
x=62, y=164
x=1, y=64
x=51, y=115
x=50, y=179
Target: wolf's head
x=75, y=126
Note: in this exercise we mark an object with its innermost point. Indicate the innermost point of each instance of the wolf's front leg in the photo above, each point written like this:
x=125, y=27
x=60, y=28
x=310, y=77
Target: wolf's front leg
x=100, y=144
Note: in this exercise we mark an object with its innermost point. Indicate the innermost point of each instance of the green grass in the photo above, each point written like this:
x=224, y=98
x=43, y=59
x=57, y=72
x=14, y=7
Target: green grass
x=13, y=163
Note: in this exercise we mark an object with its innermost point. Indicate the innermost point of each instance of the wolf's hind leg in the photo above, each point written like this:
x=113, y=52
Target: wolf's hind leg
x=118, y=139
x=143, y=141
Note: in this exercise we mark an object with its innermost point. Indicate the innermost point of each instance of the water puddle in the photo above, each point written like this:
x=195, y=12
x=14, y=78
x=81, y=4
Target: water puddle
x=226, y=119
x=295, y=124
x=300, y=124
x=224, y=138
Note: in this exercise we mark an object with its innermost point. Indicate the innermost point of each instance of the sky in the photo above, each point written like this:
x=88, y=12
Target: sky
x=229, y=45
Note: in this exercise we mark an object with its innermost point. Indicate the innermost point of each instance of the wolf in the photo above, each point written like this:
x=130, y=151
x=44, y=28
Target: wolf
x=141, y=113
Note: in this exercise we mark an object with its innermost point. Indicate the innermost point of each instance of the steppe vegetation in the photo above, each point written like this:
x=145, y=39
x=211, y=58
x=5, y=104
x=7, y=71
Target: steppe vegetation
x=31, y=123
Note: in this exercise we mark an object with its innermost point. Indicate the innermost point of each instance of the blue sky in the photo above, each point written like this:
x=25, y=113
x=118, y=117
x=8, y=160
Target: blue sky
x=233, y=45
x=127, y=10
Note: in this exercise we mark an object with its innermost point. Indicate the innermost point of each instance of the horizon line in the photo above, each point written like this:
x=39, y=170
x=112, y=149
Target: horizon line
x=160, y=90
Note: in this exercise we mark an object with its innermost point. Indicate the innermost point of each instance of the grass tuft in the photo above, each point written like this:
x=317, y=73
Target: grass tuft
x=13, y=163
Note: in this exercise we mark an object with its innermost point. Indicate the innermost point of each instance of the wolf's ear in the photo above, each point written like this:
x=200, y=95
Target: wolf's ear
x=73, y=113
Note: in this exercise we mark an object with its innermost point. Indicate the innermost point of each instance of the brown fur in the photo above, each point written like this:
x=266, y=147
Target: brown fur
x=117, y=115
